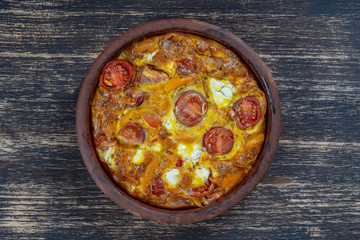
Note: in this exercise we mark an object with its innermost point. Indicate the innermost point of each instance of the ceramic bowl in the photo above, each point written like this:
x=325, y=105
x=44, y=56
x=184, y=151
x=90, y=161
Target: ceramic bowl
x=262, y=164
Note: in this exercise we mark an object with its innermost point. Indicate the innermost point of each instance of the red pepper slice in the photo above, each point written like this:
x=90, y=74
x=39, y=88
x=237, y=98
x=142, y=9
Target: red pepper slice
x=152, y=120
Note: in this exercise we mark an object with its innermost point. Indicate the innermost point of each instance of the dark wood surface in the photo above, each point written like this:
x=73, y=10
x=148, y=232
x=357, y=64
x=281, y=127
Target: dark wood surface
x=312, y=189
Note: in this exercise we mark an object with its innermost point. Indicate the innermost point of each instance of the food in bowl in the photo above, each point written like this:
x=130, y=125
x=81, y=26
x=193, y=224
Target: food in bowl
x=178, y=120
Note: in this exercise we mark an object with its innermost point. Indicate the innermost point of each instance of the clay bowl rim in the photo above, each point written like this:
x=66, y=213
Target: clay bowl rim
x=135, y=206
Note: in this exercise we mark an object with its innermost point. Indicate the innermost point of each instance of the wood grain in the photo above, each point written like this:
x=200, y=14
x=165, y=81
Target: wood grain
x=313, y=51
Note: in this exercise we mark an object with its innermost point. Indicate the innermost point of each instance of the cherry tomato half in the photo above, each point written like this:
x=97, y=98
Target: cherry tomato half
x=218, y=141
x=115, y=75
x=190, y=108
x=158, y=187
x=247, y=112
x=132, y=133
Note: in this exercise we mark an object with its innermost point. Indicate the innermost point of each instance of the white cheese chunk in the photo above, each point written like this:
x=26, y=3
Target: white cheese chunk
x=222, y=92
x=138, y=157
x=149, y=56
x=201, y=176
x=172, y=177
x=167, y=124
x=156, y=147
x=195, y=155
x=189, y=153
x=227, y=91
x=203, y=173
x=181, y=150
x=108, y=155
x=170, y=121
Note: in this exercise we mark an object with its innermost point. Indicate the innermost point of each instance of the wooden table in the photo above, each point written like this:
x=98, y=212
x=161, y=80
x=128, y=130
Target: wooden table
x=312, y=189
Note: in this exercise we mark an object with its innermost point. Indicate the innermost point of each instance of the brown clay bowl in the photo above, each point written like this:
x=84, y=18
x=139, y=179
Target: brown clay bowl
x=141, y=209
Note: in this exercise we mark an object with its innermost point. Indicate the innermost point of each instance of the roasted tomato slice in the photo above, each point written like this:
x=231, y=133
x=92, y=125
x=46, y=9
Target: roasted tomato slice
x=115, y=75
x=152, y=120
x=101, y=141
x=158, y=187
x=190, y=108
x=132, y=133
x=185, y=66
x=218, y=141
x=204, y=190
x=247, y=112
